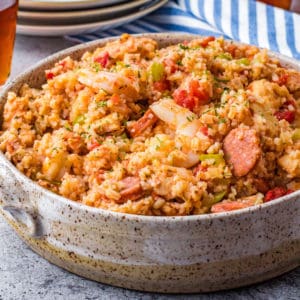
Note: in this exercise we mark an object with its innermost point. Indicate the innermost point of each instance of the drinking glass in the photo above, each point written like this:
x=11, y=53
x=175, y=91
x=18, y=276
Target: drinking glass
x=8, y=19
x=293, y=5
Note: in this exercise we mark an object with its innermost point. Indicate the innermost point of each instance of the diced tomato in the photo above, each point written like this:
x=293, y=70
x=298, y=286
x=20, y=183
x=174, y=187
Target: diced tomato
x=185, y=43
x=93, y=145
x=276, y=193
x=291, y=101
x=183, y=99
x=180, y=95
x=285, y=115
x=204, y=130
x=231, y=49
x=206, y=40
x=171, y=64
x=199, y=168
x=49, y=75
x=197, y=89
x=282, y=79
x=161, y=85
x=194, y=96
x=62, y=63
x=100, y=176
x=79, y=87
x=115, y=99
x=102, y=59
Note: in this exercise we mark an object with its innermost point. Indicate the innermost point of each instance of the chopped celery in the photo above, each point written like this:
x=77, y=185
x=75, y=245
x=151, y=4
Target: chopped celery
x=79, y=120
x=243, y=61
x=296, y=135
x=157, y=71
x=122, y=64
x=217, y=158
x=225, y=56
x=219, y=196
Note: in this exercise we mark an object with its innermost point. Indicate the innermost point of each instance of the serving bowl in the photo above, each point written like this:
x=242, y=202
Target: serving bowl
x=186, y=254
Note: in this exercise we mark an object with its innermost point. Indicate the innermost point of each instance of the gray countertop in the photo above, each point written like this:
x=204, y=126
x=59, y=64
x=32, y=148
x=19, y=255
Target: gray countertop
x=25, y=275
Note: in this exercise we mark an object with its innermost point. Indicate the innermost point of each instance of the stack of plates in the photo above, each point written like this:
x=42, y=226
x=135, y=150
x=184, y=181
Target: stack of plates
x=61, y=17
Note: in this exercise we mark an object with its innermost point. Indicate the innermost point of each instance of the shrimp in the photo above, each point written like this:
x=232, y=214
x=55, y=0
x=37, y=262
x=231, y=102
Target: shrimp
x=112, y=83
x=56, y=166
x=183, y=121
x=171, y=113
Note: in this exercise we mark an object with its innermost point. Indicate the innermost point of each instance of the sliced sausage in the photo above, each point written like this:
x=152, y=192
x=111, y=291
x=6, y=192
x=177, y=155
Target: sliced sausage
x=228, y=205
x=132, y=189
x=139, y=126
x=289, y=78
x=242, y=150
x=261, y=185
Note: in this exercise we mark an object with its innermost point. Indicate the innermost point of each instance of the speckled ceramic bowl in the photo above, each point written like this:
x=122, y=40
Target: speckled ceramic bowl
x=162, y=254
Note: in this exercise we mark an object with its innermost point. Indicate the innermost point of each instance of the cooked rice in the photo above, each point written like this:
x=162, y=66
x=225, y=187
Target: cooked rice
x=198, y=127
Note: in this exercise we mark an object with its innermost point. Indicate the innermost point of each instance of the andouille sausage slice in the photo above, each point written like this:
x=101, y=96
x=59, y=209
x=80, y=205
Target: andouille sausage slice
x=139, y=126
x=132, y=189
x=228, y=205
x=242, y=150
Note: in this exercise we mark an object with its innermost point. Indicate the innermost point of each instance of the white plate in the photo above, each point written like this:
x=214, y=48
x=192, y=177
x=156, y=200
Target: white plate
x=65, y=4
x=52, y=30
x=78, y=16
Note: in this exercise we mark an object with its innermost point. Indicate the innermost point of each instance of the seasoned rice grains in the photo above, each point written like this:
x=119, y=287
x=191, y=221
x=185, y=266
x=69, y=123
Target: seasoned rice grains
x=198, y=127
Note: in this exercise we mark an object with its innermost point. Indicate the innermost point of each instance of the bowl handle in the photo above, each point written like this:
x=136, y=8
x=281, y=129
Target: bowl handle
x=16, y=204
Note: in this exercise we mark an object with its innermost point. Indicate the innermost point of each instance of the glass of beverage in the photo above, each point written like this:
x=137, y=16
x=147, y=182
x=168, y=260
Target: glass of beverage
x=8, y=19
x=293, y=5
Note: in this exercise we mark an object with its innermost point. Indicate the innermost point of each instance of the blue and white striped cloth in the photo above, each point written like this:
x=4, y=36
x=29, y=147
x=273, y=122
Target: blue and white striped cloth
x=248, y=21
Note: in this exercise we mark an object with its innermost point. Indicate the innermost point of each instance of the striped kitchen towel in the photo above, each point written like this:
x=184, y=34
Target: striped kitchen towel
x=248, y=21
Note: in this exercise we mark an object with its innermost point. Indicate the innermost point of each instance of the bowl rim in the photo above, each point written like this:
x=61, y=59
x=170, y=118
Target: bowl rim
x=120, y=215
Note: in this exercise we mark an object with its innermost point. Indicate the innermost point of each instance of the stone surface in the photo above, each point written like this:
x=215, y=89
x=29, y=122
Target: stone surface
x=25, y=275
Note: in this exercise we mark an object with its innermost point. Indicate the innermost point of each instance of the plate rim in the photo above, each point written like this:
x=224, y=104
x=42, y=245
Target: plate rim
x=85, y=28
x=55, y=5
x=92, y=12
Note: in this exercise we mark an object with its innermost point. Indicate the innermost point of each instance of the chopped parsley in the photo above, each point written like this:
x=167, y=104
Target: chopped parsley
x=101, y=104
x=243, y=61
x=124, y=122
x=124, y=136
x=190, y=118
x=96, y=66
x=157, y=147
x=68, y=127
x=183, y=47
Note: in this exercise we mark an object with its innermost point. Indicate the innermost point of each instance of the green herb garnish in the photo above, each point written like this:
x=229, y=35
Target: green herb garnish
x=101, y=104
